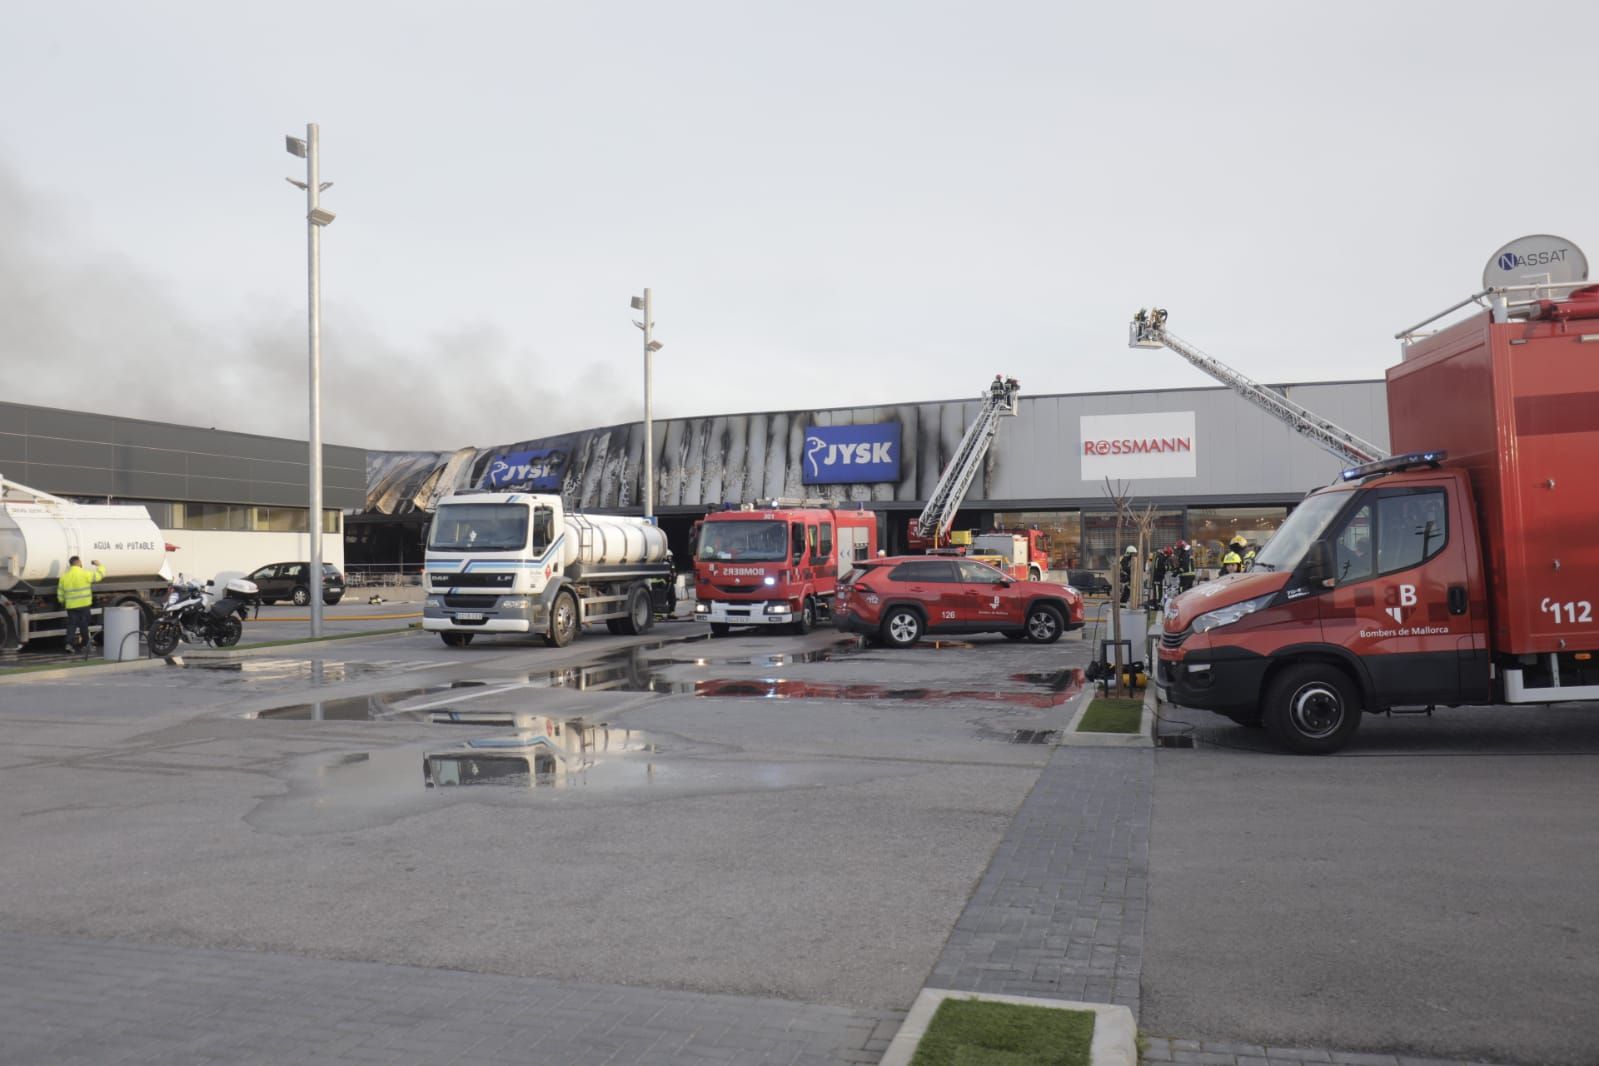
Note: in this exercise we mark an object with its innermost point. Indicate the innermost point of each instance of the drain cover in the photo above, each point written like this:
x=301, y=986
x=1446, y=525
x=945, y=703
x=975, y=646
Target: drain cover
x=1033, y=736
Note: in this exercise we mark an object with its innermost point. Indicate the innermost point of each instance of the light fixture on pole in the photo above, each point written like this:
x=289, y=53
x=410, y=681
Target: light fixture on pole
x=315, y=218
x=651, y=346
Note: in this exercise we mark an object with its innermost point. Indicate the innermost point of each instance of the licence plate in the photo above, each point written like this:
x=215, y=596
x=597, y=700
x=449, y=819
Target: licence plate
x=472, y=616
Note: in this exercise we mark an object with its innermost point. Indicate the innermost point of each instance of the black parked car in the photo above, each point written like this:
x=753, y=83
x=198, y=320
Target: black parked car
x=1088, y=582
x=291, y=581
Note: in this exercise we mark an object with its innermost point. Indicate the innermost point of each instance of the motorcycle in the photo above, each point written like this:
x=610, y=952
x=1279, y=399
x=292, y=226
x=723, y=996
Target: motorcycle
x=193, y=615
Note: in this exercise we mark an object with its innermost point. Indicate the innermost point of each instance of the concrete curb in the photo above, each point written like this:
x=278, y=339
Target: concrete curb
x=1115, y=1033
x=1144, y=738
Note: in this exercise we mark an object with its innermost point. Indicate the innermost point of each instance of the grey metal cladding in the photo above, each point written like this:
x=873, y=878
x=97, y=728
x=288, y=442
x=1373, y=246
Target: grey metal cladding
x=70, y=480
x=203, y=465
x=13, y=448
x=62, y=452
x=148, y=485
x=149, y=460
x=219, y=490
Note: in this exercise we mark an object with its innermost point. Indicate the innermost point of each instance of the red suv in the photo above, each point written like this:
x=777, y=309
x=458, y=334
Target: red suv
x=900, y=598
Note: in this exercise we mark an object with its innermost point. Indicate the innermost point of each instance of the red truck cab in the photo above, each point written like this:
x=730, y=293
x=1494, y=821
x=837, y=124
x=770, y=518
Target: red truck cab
x=1461, y=575
x=772, y=565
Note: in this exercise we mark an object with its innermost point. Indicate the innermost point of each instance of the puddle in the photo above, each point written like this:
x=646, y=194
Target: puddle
x=546, y=760
x=634, y=671
x=1059, y=691
x=314, y=671
x=1178, y=740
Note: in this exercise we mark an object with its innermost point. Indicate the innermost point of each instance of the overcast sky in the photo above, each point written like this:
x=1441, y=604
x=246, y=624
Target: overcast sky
x=835, y=203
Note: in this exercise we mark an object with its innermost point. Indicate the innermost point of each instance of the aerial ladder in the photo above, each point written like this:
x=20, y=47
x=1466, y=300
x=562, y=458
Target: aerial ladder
x=931, y=528
x=1148, y=330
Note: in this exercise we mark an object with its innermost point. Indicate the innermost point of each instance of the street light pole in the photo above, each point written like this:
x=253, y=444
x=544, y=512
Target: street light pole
x=315, y=219
x=651, y=346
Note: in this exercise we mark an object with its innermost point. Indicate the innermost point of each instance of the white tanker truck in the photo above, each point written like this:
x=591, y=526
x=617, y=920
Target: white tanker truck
x=40, y=532
x=521, y=563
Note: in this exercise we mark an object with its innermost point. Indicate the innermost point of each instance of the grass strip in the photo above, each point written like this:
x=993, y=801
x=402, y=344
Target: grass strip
x=1112, y=716
x=970, y=1031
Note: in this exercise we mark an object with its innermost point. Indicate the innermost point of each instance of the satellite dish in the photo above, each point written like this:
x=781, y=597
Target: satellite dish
x=1541, y=259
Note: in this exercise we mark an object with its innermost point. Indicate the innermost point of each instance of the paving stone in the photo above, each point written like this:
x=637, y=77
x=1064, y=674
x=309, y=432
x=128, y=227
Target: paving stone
x=1053, y=915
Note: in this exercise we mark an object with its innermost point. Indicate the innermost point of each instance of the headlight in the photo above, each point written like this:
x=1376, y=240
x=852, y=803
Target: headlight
x=777, y=608
x=514, y=605
x=768, y=580
x=702, y=608
x=1226, y=616
x=433, y=601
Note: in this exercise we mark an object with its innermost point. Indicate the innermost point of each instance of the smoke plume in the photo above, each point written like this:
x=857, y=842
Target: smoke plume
x=90, y=330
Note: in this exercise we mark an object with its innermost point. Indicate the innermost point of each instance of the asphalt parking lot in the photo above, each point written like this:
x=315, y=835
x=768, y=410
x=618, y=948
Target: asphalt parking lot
x=797, y=818
x=1430, y=889
x=802, y=829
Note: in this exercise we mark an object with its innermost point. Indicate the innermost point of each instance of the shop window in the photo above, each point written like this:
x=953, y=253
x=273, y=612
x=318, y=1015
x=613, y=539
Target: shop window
x=1210, y=528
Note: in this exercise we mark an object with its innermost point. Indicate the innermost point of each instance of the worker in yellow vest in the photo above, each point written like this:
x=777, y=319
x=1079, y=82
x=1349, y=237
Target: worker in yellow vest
x=75, y=590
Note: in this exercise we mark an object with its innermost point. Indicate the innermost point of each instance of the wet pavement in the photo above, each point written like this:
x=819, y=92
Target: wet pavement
x=742, y=815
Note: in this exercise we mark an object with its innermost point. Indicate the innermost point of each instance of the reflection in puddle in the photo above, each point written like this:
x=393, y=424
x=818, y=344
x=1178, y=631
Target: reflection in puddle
x=781, y=689
x=634, y=671
x=314, y=671
x=545, y=751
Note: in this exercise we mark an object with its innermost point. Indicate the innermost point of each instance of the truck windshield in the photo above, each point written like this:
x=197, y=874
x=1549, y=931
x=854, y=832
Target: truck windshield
x=479, y=527
x=1302, y=528
x=749, y=541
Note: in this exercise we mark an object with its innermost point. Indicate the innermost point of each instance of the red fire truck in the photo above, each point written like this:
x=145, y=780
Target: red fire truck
x=1463, y=570
x=777, y=562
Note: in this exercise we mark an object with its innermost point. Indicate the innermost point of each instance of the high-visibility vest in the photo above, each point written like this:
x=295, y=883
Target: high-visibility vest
x=76, y=587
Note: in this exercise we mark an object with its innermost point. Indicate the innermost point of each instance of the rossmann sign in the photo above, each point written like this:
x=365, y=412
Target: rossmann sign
x=847, y=455
x=1129, y=447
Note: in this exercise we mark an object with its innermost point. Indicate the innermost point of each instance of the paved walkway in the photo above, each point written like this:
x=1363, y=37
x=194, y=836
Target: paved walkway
x=1060, y=912
x=69, y=1001
x=1159, y=1052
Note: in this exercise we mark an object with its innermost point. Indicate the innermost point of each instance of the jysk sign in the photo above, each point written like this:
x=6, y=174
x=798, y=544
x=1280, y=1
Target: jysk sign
x=843, y=455
x=535, y=471
x=1138, y=446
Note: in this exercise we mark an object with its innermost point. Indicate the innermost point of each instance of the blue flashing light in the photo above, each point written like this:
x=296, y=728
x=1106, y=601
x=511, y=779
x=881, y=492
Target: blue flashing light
x=1394, y=463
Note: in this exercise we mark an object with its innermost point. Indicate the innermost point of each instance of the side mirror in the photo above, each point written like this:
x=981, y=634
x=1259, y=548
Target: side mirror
x=1319, y=568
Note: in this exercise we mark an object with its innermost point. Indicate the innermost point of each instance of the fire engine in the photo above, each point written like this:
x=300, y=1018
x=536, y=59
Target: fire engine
x=777, y=562
x=1462, y=570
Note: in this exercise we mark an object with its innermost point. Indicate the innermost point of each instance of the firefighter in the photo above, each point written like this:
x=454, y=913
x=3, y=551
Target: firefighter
x=75, y=590
x=1233, y=561
x=1185, y=566
x=1164, y=567
x=1129, y=557
x=1249, y=555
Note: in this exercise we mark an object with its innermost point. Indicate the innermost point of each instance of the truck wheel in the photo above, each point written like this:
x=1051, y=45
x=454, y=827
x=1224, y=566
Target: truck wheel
x=1044, y=624
x=1311, y=709
x=456, y=640
x=640, y=612
x=720, y=629
x=805, y=621
x=902, y=627
x=563, y=620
